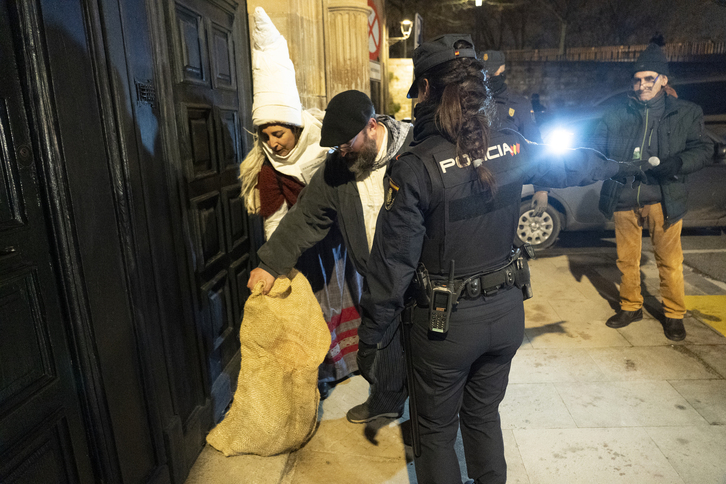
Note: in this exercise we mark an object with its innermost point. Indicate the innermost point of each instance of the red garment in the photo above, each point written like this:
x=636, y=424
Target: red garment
x=276, y=188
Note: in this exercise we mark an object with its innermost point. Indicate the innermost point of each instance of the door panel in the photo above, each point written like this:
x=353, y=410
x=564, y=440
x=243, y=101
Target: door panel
x=12, y=212
x=24, y=349
x=222, y=57
x=190, y=48
x=42, y=435
x=207, y=101
x=43, y=456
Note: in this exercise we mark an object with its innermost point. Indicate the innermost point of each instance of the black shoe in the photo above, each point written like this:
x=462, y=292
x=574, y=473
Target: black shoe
x=362, y=414
x=673, y=329
x=624, y=318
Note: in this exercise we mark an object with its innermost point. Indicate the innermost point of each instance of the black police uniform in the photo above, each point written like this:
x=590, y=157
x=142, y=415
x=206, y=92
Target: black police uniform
x=514, y=111
x=435, y=211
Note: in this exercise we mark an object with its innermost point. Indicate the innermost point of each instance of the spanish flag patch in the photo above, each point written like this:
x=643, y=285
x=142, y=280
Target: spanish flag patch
x=391, y=195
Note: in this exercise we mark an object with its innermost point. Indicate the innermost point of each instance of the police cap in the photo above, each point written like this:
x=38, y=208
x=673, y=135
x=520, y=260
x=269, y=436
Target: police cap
x=346, y=115
x=493, y=60
x=435, y=52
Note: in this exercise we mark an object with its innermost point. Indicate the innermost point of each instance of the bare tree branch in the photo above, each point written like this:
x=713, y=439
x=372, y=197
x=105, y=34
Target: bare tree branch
x=549, y=7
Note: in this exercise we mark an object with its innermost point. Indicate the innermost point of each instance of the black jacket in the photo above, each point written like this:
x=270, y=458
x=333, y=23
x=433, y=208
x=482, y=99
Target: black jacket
x=418, y=221
x=515, y=112
x=331, y=195
x=680, y=133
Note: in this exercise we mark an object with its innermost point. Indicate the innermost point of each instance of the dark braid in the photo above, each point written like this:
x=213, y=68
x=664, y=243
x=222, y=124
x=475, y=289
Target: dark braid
x=463, y=109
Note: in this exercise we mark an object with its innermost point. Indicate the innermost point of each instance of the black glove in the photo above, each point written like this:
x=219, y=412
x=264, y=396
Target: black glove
x=365, y=358
x=668, y=168
x=626, y=169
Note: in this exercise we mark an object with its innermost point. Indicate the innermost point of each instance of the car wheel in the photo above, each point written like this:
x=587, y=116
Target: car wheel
x=542, y=231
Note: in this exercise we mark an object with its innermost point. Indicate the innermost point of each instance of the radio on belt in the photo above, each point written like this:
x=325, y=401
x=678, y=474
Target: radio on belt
x=442, y=299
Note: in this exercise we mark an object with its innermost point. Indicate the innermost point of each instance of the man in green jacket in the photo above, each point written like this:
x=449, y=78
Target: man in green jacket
x=668, y=132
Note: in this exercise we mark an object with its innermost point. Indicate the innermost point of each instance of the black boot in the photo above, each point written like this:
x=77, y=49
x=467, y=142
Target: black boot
x=673, y=329
x=624, y=318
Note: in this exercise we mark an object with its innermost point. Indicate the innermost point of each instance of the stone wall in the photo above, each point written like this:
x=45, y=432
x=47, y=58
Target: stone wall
x=400, y=78
x=328, y=44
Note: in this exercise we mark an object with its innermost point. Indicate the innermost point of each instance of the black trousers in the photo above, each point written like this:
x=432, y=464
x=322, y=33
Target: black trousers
x=463, y=377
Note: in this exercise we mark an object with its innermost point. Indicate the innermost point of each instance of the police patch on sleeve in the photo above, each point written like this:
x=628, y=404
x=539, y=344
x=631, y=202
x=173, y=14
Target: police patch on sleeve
x=391, y=194
x=511, y=112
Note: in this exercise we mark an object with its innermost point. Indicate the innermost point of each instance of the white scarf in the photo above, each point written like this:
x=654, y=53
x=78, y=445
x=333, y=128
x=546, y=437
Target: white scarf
x=301, y=163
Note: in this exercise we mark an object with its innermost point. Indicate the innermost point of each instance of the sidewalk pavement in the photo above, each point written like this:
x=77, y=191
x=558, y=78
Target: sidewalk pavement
x=585, y=403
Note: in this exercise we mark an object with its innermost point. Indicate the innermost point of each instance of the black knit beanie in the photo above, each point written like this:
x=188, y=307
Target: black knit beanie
x=346, y=116
x=652, y=59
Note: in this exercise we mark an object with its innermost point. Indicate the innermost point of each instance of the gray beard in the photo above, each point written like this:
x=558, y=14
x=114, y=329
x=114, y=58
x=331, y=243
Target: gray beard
x=364, y=161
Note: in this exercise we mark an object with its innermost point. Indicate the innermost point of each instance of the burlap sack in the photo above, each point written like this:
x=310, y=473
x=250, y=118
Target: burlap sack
x=284, y=339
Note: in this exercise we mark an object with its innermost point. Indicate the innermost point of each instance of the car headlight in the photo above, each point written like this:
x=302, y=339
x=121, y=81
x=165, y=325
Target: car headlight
x=560, y=140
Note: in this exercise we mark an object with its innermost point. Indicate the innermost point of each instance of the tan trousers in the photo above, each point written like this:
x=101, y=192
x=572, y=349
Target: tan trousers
x=668, y=258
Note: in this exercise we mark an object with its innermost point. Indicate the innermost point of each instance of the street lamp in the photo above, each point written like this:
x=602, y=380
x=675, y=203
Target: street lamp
x=477, y=3
x=406, y=26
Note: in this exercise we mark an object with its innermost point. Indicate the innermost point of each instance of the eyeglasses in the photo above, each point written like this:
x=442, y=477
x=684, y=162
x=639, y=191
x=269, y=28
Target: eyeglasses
x=645, y=81
x=345, y=148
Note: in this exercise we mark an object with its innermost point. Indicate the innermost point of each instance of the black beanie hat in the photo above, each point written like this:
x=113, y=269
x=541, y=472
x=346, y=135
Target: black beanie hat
x=346, y=116
x=652, y=59
x=435, y=52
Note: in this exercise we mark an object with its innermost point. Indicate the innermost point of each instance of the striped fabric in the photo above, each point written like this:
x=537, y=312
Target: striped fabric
x=389, y=393
x=338, y=288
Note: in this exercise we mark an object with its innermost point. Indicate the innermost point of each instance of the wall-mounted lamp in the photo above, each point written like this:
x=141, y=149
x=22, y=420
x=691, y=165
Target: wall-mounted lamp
x=406, y=26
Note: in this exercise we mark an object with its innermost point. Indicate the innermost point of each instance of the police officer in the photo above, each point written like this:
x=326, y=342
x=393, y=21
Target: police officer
x=512, y=111
x=454, y=196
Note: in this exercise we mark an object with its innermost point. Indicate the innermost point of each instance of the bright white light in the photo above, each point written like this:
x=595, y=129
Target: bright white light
x=478, y=3
x=560, y=140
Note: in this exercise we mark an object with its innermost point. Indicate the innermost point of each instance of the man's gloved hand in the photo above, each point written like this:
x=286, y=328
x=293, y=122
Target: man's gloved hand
x=365, y=358
x=667, y=168
x=626, y=169
x=539, y=203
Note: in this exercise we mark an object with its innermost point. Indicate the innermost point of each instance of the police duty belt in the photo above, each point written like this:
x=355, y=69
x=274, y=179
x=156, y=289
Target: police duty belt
x=514, y=273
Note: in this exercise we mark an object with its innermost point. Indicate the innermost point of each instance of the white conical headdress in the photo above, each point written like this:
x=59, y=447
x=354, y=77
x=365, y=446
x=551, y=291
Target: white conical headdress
x=276, y=99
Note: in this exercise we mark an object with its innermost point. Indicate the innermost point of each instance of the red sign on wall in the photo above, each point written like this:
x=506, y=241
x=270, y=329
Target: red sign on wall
x=374, y=32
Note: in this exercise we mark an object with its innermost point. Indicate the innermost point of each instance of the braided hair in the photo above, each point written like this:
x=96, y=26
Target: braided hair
x=463, y=110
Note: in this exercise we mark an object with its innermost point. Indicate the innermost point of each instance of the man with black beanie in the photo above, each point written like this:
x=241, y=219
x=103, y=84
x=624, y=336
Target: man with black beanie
x=669, y=133
x=347, y=190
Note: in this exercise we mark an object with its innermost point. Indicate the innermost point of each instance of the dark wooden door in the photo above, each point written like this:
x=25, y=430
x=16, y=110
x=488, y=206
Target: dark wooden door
x=42, y=434
x=203, y=40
